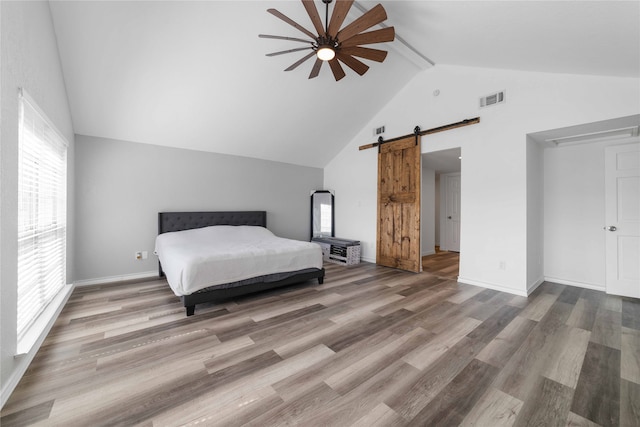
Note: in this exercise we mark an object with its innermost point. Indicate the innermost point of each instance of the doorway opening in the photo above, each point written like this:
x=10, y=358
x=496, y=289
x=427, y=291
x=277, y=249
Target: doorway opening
x=570, y=176
x=440, y=231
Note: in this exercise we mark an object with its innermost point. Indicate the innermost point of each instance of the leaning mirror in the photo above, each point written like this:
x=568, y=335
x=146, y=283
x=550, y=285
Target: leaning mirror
x=322, y=214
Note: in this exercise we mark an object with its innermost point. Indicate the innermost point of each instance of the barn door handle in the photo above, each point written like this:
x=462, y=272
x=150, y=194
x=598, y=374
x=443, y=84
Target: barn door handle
x=449, y=217
x=610, y=228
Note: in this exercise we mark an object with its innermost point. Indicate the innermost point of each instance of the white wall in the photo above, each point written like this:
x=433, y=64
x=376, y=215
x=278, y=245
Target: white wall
x=29, y=60
x=574, y=214
x=428, y=210
x=535, y=214
x=438, y=209
x=494, y=176
x=121, y=186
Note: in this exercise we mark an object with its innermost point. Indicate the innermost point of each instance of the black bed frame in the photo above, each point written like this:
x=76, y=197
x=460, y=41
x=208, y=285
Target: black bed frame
x=178, y=221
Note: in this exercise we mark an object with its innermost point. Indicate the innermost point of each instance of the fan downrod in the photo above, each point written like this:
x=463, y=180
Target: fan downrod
x=326, y=14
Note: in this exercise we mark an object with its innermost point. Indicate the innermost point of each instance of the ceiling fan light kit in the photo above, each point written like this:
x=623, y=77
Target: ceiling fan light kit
x=335, y=45
x=325, y=53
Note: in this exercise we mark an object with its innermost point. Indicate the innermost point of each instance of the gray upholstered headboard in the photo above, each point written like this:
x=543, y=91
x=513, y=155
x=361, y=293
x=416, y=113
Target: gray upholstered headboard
x=178, y=221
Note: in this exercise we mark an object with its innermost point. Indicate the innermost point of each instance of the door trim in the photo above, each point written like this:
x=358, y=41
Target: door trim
x=445, y=237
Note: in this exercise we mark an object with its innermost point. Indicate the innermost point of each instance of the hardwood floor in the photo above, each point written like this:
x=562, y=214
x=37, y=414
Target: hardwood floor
x=442, y=263
x=371, y=347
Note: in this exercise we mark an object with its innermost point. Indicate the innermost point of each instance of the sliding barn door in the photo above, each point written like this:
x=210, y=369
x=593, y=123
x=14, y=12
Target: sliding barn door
x=398, y=243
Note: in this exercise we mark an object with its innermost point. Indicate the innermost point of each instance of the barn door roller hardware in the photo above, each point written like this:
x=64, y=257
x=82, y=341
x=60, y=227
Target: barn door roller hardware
x=417, y=132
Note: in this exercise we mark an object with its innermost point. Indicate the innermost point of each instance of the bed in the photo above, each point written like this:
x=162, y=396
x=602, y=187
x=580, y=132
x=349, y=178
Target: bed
x=200, y=266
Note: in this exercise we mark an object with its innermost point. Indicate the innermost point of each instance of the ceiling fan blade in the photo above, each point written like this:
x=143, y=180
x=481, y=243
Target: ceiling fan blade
x=365, y=52
x=310, y=6
x=293, y=39
x=368, y=20
x=316, y=68
x=377, y=36
x=340, y=10
x=291, y=22
x=300, y=61
x=288, y=51
x=351, y=62
x=336, y=69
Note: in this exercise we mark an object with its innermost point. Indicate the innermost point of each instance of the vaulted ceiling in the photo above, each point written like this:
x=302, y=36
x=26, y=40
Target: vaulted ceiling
x=194, y=74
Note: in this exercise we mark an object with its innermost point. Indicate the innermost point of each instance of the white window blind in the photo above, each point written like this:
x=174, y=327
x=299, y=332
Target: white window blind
x=42, y=216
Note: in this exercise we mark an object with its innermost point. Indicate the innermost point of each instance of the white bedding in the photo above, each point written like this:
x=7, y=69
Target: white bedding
x=209, y=256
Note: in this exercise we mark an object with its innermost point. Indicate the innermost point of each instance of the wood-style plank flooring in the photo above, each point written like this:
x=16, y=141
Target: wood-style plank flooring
x=371, y=347
x=442, y=263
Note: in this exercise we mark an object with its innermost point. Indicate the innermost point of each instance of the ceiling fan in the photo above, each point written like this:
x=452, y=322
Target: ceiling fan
x=335, y=45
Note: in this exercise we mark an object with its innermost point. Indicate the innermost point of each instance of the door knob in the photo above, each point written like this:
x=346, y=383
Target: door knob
x=449, y=217
x=610, y=228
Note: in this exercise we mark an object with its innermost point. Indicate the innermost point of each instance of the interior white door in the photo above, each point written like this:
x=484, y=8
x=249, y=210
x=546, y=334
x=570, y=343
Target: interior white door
x=452, y=212
x=622, y=213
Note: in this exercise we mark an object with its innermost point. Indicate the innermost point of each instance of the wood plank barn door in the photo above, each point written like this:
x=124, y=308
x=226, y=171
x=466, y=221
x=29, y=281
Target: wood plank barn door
x=398, y=242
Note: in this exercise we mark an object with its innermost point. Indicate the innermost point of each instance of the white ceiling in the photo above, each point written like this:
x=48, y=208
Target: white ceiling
x=612, y=129
x=444, y=161
x=195, y=75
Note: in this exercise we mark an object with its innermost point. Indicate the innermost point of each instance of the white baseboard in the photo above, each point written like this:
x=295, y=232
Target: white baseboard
x=593, y=286
x=492, y=286
x=532, y=287
x=429, y=253
x=115, y=279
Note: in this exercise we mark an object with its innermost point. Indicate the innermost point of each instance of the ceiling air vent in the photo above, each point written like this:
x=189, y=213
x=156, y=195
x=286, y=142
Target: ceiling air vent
x=493, y=99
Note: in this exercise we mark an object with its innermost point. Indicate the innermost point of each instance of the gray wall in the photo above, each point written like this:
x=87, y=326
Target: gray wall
x=121, y=186
x=30, y=61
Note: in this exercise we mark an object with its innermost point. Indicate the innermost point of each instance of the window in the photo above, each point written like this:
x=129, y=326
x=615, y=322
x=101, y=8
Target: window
x=326, y=221
x=42, y=216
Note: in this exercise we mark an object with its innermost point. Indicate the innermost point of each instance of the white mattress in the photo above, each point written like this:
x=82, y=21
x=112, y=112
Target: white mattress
x=209, y=256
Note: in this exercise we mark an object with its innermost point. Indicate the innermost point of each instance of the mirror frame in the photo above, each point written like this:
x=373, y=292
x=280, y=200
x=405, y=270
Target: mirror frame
x=333, y=212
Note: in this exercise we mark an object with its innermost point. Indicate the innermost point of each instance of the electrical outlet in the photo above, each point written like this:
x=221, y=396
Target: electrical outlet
x=503, y=265
x=140, y=255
